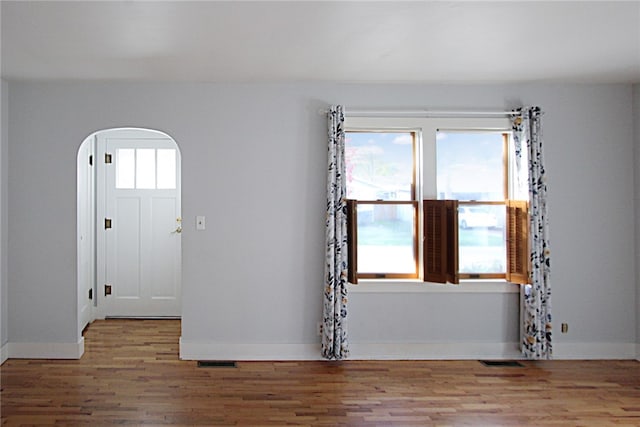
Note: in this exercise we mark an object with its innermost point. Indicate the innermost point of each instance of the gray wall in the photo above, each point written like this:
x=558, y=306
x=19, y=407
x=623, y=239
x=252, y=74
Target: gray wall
x=4, y=312
x=636, y=133
x=254, y=158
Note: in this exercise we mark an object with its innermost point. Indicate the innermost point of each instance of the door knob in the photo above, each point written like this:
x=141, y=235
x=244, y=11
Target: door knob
x=178, y=230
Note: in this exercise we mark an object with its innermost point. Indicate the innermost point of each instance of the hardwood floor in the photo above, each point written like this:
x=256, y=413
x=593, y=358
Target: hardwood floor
x=131, y=375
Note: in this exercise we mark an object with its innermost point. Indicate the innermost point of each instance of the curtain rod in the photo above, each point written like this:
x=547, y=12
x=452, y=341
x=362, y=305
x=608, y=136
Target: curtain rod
x=422, y=113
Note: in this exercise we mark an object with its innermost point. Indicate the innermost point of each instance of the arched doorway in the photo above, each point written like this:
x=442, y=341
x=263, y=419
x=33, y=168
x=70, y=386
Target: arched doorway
x=129, y=225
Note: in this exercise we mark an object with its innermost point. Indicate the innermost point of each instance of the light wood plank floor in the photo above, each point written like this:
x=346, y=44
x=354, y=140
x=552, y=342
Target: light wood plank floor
x=131, y=375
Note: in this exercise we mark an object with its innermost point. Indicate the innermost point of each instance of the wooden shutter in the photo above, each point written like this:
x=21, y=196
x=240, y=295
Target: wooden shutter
x=440, y=241
x=352, y=241
x=517, y=242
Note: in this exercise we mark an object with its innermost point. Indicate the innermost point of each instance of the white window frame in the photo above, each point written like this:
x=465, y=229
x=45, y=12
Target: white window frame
x=426, y=129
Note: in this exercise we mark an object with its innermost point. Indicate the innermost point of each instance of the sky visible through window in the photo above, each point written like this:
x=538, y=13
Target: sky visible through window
x=379, y=165
x=470, y=166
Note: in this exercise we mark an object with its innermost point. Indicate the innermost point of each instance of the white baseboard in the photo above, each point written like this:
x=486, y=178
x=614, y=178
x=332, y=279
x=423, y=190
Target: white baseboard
x=27, y=350
x=4, y=353
x=198, y=350
x=358, y=351
x=434, y=351
x=594, y=351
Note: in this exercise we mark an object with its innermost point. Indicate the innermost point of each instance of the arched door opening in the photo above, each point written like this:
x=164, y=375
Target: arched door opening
x=129, y=226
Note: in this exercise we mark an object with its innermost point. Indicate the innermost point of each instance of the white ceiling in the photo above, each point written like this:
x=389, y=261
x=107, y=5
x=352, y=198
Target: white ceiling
x=346, y=41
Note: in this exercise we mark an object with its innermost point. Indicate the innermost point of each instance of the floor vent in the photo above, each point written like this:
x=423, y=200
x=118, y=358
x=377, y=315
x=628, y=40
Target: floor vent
x=216, y=364
x=502, y=363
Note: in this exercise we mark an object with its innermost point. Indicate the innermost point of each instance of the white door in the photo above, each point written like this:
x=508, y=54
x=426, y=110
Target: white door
x=142, y=225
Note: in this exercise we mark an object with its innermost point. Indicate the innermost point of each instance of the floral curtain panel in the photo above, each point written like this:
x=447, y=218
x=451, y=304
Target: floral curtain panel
x=527, y=133
x=334, y=333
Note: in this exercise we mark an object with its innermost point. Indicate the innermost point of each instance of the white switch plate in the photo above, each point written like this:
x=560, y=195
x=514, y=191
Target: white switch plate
x=200, y=223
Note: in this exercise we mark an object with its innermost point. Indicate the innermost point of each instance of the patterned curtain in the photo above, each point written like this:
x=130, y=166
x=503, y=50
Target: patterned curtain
x=334, y=332
x=536, y=339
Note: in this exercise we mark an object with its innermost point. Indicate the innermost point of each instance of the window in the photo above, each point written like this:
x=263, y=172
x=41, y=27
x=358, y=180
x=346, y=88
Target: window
x=381, y=178
x=431, y=199
x=145, y=168
x=472, y=169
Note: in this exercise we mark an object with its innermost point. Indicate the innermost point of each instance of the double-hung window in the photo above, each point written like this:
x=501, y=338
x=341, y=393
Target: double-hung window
x=472, y=168
x=432, y=199
x=381, y=181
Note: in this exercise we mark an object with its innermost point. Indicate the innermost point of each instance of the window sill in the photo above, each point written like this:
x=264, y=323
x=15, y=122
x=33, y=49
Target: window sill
x=472, y=286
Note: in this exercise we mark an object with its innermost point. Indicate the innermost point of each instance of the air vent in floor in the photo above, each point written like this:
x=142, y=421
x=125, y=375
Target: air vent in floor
x=502, y=363
x=216, y=364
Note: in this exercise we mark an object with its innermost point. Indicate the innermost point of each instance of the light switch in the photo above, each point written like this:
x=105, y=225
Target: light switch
x=200, y=225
